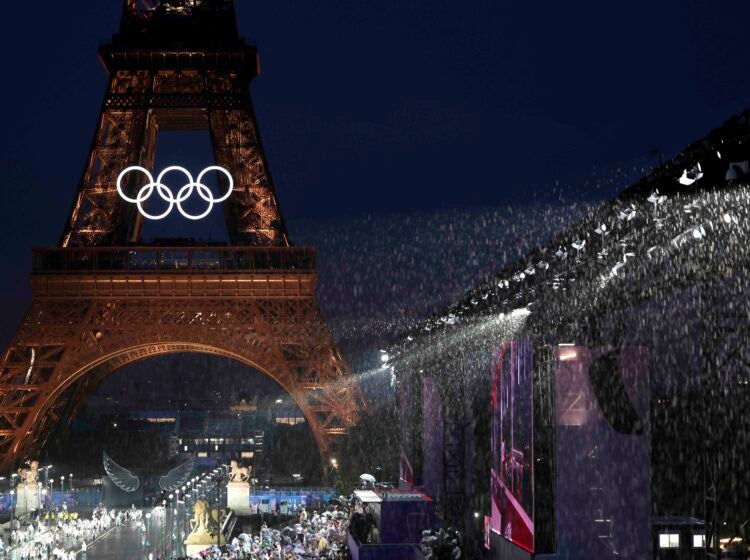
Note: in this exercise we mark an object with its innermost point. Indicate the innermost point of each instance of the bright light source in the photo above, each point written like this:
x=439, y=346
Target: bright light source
x=655, y=198
x=669, y=540
x=166, y=194
x=690, y=176
x=520, y=312
x=384, y=357
x=567, y=353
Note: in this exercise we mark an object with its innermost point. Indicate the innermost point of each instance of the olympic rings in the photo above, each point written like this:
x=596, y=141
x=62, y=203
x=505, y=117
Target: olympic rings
x=166, y=194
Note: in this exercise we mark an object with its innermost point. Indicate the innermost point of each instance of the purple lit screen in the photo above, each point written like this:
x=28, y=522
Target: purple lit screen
x=511, y=473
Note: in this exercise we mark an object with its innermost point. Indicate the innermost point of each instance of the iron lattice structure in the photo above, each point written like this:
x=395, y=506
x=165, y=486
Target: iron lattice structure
x=103, y=299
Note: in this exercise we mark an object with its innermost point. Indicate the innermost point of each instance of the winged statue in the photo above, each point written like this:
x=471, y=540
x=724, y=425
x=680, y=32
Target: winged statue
x=122, y=477
x=178, y=476
x=128, y=482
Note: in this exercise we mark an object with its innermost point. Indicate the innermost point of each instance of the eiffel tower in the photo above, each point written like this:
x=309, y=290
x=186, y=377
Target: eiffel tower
x=103, y=298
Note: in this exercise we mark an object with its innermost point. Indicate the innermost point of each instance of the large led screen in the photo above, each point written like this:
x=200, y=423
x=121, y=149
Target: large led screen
x=512, y=472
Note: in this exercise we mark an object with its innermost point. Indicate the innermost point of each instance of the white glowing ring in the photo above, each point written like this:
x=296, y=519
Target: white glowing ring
x=166, y=194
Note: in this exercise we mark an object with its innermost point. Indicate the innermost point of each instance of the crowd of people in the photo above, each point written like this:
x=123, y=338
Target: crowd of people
x=441, y=544
x=314, y=535
x=61, y=535
x=322, y=535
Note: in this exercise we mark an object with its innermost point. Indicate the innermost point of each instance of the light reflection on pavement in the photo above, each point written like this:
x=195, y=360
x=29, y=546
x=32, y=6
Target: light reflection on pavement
x=131, y=542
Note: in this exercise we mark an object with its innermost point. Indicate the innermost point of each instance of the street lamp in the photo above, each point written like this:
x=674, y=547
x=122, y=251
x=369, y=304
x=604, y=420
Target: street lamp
x=12, y=508
x=12, y=485
x=47, y=481
x=140, y=538
x=46, y=472
x=40, y=497
x=163, y=528
x=187, y=494
x=148, y=534
x=62, y=483
x=171, y=526
x=46, y=502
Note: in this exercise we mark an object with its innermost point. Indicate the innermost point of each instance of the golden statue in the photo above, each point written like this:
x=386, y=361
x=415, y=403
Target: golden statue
x=202, y=533
x=29, y=476
x=237, y=473
x=199, y=522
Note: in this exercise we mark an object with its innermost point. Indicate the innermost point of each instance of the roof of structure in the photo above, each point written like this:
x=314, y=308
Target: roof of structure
x=681, y=226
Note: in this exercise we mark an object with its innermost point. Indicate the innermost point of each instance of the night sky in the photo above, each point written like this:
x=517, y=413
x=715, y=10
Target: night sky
x=370, y=108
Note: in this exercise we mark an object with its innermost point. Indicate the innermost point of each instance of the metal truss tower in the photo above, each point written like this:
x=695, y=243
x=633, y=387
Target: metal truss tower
x=103, y=298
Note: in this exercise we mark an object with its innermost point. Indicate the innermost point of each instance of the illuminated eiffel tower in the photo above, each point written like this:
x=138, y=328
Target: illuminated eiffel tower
x=103, y=299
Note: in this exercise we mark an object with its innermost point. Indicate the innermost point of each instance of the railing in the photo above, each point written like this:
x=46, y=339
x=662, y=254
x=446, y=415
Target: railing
x=78, y=497
x=173, y=259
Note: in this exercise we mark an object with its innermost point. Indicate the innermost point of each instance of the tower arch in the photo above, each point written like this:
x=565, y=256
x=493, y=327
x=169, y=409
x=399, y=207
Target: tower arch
x=110, y=364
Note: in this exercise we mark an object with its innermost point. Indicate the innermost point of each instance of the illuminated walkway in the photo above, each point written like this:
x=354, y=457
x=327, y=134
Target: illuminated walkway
x=131, y=541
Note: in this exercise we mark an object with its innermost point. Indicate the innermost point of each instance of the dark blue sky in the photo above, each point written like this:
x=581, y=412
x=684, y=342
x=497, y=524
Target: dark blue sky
x=393, y=105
